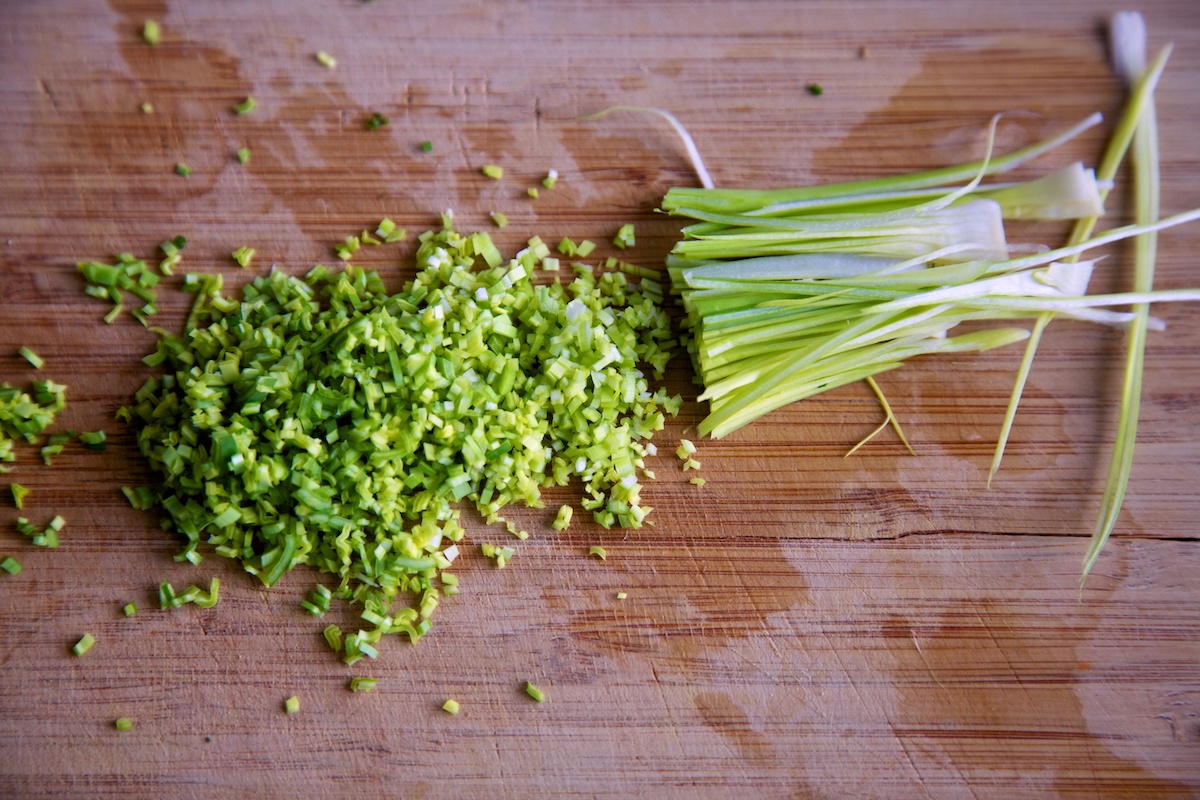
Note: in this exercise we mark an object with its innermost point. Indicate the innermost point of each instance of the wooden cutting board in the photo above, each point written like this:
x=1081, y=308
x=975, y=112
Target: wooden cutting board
x=803, y=625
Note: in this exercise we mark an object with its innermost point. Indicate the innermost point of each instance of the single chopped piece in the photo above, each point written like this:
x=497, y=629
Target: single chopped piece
x=451, y=706
x=426, y=146
x=130, y=609
x=243, y=155
x=360, y=684
x=242, y=256
x=151, y=32
x=376, y=121
x=93, y=440
x=499, y=218
x=686, y=449
x=10, y=565
x=532, y=191
x=598, y=551
x=183, y=169
x=147, y=108
x=291, y=705
x=84, y=644
x=325, y=59
x=691, y=463
x=123, y=724
x=534, y=692
x=625, y=237
x=815, y=89
x=493, y=171
x=141, y=498
x=697, y=481
x=551, y=179
x=246, y=106
x=19, y=493
x=621, y=595
x=563, y=519
x=32, y=357
x=585, y=248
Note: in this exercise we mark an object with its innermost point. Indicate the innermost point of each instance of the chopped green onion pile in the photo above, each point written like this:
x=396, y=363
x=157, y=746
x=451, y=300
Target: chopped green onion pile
x=25, y=415
x=326, y=421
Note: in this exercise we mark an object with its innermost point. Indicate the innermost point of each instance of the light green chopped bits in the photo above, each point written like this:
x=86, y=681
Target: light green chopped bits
x=151, y=32
x=493, y=171
x=130, y=609
x=697, y=481
x=84, y=644
x=183, y=169
x=19, y=493
x=242, y=256
x=499, y=219
x=534, y=692
x=32, y=357
x=562, y=520
x=246, y=106
x=624, y=237
x=243, y=155
x=123, y=724
x=686, y=449
x=691, y=463
x=598, y=551
x=621, y=595
x=10, y=565
x=361, y=684
x=532, y=191
x=291, y=705
x=551, y=179
x=147, y=108
x=451, y=706
x=585, y=248
x=325, y=59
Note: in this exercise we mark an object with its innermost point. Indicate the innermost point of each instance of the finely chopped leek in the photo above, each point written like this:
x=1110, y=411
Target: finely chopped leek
x=325, y=421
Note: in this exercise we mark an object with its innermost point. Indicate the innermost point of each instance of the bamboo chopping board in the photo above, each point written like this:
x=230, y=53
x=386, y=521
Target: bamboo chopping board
x=803, y=625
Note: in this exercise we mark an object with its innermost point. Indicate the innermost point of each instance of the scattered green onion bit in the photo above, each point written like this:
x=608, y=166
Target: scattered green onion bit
x=325, y=59
x=19, y=493
x=376, y=121
x=534, y=692
x=147, y=108
x=243, y=155
x=426, y=146
x=333, y=637
x=815, y=89
x=499, y=219
x=291, y=705
x=493, y=171
x=183, y=169
x=390, y=233
x=361, y=684
x=167, y=597
x=318, y=601
x=242, y=256
x=562, y=519
x=624, y=237
x=47, y=537
x=697, y=481
x=123, y=724
x=451, y=706
x=598, y=551
x=84, y=644
x=246, y=106
x=551, y=179
x=130, y=609
x=10, y=565
x=621, y=595
x=585, y=248
x=93, y=440
x=141, y=498
x=151, y=32
x=32, y=357
x=500, y=555
x=532, y=191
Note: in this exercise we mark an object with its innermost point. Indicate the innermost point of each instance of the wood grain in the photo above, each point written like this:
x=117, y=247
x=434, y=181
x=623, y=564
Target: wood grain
x=802, y=626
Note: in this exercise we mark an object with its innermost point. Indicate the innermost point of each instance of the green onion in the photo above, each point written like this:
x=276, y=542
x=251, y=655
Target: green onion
x=562, y=519
x=10, y=565
x=19, y=493
x=242, y=256
x=622, y=595
x=624, y=237
x=84, y=644
x=532, y=191
x=451, y=706
x=151, y=32
x=360, y=684
x=493, y=171
x=147, y=108
x=499, y=219
x=815, y=89
x=426, y=146
x=551, y=179
x=376, y=121
x=123, y=724
x=183, y=169
x=246, y=106
x=534, y=692
x=93, y=440
x=325, y=59
x=130, y=609
x=243, y=155
x=32, y=357
x=291, y=705
x=598, y=551
x=697, y=481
